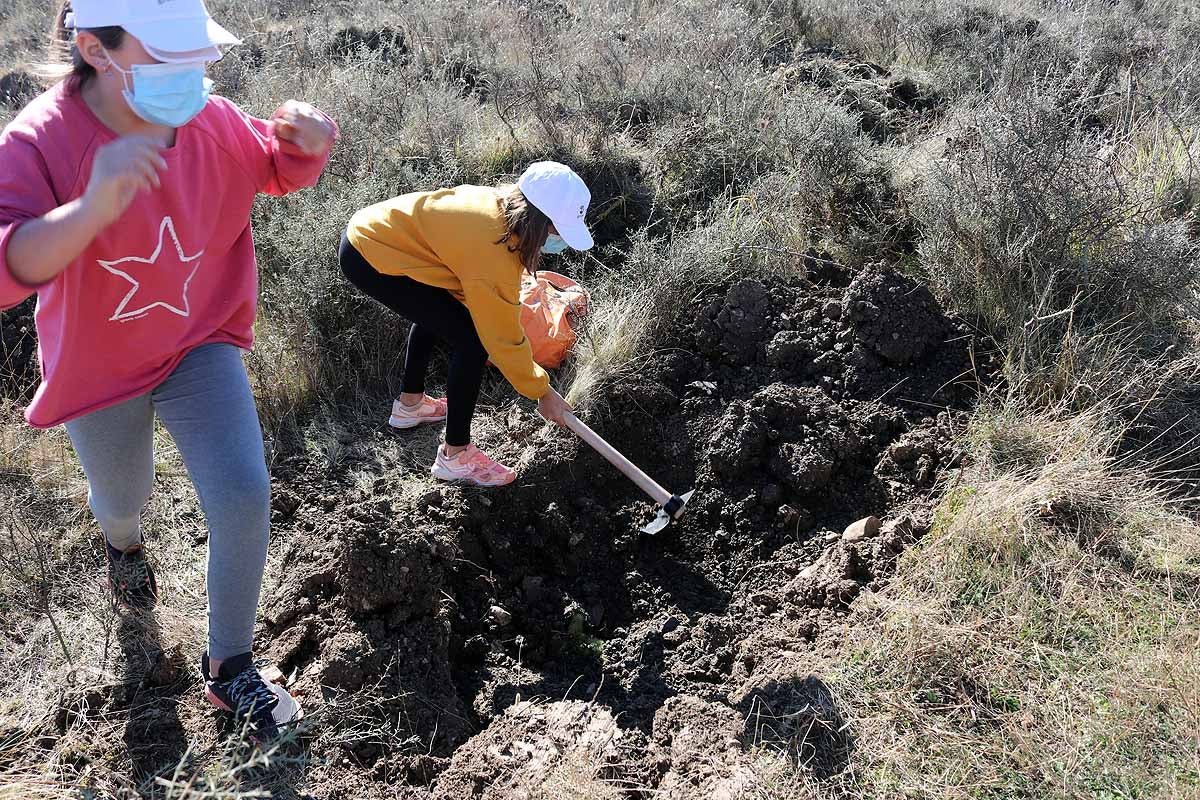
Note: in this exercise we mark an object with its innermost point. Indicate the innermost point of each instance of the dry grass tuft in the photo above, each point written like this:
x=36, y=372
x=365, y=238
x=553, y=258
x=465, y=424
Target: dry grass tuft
x=1025, y=646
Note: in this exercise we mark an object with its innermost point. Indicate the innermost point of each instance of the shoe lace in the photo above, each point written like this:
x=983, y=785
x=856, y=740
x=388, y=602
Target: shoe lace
x=426, y=408
x=478, y=457
x=487, y=464
x=250, y=693
x=133, y=572
x=140, y=572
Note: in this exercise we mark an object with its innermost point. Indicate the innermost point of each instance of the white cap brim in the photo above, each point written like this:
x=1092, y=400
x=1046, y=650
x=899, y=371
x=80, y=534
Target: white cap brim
x=182, y=35
x=206, y=55
x=575, y=234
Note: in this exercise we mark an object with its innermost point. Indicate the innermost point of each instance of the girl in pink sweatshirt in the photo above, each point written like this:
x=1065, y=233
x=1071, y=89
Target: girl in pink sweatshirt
x=125, y=198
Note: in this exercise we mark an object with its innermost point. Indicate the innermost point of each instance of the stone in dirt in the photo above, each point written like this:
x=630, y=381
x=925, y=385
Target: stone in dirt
x=862, y=529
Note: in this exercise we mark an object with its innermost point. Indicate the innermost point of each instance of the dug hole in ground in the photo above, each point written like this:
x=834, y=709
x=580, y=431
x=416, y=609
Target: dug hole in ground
x=512, y=632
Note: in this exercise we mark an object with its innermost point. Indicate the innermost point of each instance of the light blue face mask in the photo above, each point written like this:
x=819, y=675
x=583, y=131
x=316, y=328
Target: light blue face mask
x=166, y=94
x=554, y=245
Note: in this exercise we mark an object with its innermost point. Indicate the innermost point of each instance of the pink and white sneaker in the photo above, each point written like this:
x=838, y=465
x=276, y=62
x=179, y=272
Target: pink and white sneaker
x=471, y=466
x=429, y=410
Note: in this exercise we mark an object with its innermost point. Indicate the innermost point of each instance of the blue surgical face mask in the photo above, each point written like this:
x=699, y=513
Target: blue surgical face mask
x=166, y=94
x=554, y=245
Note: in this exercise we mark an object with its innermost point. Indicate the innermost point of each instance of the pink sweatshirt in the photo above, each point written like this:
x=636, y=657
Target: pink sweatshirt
x=175, y=272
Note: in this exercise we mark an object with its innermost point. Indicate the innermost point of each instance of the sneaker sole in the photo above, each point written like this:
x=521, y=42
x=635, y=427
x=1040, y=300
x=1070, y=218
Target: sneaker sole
x=449, y=477
x=406, y=424
x=211, y=696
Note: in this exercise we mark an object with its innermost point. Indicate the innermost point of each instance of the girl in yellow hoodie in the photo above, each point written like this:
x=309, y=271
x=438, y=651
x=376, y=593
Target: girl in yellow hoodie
x=450, y=262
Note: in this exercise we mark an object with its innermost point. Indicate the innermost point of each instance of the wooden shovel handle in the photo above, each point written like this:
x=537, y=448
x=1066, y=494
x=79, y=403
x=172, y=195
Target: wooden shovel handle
x=647, y=484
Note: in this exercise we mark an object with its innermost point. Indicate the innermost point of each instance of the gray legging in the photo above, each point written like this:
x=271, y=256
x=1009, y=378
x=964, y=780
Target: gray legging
x=207, y=407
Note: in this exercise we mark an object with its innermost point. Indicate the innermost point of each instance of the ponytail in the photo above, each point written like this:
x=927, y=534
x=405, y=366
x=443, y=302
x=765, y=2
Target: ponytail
x=527, y=227
x=64, y=59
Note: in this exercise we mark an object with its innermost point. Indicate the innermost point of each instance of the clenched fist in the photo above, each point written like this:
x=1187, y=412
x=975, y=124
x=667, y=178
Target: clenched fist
x=303, y=126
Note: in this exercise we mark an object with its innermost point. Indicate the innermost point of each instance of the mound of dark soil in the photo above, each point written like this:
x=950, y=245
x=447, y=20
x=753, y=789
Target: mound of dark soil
x=18, y=87
x=348, y=44
x=18, y=352
x=793, y=410
x=890, y=105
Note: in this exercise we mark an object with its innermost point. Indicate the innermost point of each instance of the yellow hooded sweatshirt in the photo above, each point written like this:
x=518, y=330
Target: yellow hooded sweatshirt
x=448, y=238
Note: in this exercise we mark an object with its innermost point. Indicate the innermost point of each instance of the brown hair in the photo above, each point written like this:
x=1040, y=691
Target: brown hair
x=65, y=60
x=528, y=227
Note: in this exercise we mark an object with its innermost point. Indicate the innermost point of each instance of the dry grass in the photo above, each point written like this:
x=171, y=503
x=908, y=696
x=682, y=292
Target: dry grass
x=772, y=777
x=575, y=777
x=238, y=773
x=1041, y=641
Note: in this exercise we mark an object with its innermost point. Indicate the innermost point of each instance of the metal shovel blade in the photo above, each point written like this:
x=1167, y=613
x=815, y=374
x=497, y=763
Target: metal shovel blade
x=672, y=510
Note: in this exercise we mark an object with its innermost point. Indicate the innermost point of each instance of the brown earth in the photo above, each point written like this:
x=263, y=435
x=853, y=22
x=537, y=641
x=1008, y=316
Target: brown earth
x=432, y=619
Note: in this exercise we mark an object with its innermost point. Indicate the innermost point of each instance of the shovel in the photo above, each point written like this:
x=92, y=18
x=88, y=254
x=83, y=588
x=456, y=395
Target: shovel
x=670, y=505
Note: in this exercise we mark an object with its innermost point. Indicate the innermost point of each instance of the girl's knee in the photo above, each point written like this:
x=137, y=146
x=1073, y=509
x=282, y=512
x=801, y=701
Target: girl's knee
x=242, y=500
x=255, y=491
x=119, y=512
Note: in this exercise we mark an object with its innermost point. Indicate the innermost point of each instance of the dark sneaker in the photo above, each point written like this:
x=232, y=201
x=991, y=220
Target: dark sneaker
x=130, y=578
x=241, y=690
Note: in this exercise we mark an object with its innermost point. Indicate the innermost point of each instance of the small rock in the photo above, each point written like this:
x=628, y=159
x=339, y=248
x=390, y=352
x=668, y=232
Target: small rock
x=432, y=499
x=765, y=600
x=273, y=674
x=841, y=593
x=166, y=669
x=499, y=616
x=832, y=309
x=285, y=504
x=864, y=528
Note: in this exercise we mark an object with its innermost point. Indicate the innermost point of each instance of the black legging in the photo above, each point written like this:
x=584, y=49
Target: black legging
x=435, y=314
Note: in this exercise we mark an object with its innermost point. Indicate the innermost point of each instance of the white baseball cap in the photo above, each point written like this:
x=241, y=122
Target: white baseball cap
x=170, y=30
x=562, y=196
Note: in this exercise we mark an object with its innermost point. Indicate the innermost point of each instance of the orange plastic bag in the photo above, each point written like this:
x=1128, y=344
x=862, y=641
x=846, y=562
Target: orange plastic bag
x=548, y=304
